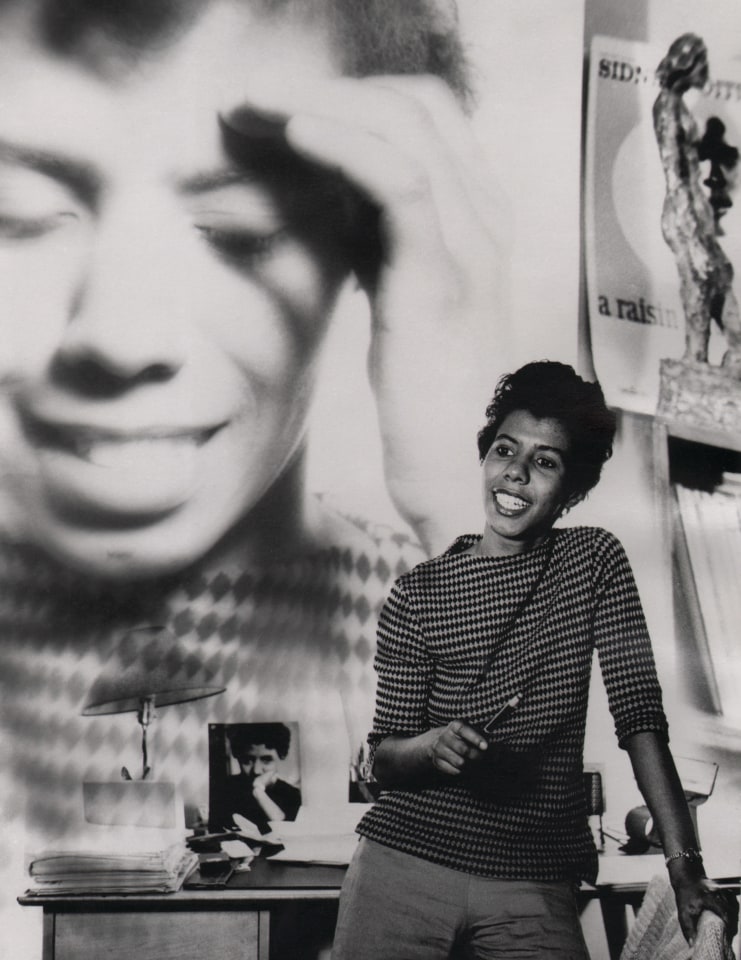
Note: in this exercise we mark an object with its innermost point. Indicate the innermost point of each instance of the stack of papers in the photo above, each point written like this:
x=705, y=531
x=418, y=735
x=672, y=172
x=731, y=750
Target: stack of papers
x=328, y=837
x=62, y=872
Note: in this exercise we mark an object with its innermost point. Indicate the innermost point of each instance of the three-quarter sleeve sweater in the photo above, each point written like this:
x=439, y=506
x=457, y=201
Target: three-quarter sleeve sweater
x=447, y=649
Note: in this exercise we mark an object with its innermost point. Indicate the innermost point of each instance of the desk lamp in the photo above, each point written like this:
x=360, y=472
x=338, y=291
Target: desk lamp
x=153, y=670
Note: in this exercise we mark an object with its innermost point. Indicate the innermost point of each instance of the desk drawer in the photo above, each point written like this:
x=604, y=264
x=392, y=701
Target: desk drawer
x=167, y=935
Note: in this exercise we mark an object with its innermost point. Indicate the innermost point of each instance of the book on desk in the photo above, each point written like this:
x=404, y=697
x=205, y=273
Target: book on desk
x=107, y=860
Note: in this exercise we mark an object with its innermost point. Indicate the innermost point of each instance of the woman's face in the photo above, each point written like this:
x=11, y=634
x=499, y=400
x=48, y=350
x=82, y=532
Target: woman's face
x=162, y=303
x=524, y=482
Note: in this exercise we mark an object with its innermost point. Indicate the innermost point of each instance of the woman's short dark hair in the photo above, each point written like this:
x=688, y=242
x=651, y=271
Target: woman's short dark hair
x=554, y=390
x=274, y=736
x=371, y=36
x=368, y=38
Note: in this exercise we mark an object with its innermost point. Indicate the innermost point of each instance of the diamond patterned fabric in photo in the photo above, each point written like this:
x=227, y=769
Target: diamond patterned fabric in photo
x=293, y=641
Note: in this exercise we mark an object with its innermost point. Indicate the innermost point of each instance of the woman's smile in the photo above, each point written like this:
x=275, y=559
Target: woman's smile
x=509, y=504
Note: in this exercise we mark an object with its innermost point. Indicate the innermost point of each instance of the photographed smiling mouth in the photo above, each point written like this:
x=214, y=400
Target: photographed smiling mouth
x=111, y=448
x=95, y=475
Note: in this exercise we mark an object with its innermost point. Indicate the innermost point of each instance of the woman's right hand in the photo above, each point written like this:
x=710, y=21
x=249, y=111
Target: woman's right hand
x=404, y=762
x=454, y=747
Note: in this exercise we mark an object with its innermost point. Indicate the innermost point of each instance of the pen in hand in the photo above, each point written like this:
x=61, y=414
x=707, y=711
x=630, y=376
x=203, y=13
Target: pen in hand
x=502, y=714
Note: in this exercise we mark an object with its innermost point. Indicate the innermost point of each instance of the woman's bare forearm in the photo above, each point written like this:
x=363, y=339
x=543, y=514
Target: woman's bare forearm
x=658, y=781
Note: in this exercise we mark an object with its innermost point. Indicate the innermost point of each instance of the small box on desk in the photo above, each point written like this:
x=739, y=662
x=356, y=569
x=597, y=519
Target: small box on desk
x=213, y=864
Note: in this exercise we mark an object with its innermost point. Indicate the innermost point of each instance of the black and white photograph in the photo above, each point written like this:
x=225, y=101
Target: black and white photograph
x=254, y=774
x=370, y=479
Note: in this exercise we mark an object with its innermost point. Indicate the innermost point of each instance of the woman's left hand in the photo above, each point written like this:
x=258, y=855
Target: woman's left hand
x=696, y=893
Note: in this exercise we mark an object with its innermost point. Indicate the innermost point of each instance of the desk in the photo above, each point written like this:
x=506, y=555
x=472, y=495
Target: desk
x=234, y=923
x=231, y=923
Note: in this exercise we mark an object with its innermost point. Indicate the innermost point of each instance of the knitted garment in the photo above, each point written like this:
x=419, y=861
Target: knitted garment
x=290, y=641
x=656, y=934
x=442, y=624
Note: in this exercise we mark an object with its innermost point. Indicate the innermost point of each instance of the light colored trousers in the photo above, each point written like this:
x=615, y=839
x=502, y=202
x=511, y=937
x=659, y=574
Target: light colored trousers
x=395, y=906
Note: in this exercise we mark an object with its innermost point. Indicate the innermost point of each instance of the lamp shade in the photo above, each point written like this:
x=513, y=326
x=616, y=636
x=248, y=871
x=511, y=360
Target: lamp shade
x=150, y=664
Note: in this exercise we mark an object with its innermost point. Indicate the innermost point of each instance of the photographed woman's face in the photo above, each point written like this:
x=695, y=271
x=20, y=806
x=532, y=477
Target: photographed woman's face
x=524, y=482
x=161, y=310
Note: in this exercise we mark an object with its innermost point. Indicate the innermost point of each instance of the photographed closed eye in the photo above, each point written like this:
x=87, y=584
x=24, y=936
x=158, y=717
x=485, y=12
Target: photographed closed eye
x=31, y=228
x=239, y=246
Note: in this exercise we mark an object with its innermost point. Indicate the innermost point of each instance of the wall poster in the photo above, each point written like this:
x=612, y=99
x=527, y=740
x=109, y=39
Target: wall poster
x=635, y=311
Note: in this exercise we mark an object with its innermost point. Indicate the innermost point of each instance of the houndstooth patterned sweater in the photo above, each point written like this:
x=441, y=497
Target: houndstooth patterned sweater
x=446, y=620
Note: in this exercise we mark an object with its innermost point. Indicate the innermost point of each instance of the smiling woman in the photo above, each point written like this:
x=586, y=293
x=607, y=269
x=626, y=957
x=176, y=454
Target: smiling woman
x=480, y=835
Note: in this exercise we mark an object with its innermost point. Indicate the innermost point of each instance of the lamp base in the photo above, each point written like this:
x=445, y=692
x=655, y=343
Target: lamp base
x=133, y=803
